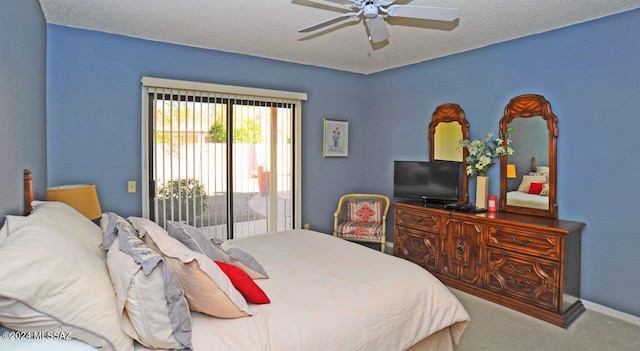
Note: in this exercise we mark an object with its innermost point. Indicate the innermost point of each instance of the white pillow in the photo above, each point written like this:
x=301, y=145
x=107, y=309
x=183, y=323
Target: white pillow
x=206, y=286
x=542, y=170
x=527, y=180
x=48, y=282
x=150, y=300
x=71, y=223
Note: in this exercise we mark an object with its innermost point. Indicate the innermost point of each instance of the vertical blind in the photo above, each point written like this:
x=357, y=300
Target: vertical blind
x=225, y=163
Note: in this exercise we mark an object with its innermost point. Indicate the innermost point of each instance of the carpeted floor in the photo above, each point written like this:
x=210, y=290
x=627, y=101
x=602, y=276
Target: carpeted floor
x=497, y=328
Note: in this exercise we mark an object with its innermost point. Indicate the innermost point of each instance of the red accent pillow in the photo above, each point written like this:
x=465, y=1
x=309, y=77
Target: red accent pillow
x=243, y=282
x=535, y=188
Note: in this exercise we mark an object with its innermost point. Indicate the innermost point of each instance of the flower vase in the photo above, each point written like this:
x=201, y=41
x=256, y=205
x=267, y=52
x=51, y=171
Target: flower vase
x=482, y=191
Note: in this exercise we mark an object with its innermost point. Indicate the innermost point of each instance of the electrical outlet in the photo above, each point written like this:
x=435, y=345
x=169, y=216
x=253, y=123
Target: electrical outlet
x=131, y=186
x=306, y=226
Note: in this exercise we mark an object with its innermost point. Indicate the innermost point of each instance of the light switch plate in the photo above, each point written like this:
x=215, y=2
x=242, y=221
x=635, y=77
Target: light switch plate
x=131, y=186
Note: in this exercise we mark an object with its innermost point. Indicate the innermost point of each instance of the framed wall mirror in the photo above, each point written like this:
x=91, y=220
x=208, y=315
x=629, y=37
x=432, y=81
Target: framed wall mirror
x=447, y=128
x=528, y=177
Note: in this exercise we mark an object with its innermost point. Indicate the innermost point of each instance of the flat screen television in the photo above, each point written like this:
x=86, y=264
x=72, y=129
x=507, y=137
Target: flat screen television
x=432, y=182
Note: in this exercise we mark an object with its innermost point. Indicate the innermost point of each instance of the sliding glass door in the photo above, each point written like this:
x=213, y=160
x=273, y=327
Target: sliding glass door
x=220, y=162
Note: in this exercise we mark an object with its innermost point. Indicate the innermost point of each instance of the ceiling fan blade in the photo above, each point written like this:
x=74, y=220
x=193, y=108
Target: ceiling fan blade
x=329, y=22
x=423, y=12
x=377, y=29
x=341, y=2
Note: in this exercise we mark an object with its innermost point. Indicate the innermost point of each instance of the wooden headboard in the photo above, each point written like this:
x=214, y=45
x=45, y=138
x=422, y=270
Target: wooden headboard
x=534, y=169
x=28, y=191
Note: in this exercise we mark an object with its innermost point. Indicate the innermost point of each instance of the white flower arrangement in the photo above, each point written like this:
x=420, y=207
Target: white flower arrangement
x=481, y=152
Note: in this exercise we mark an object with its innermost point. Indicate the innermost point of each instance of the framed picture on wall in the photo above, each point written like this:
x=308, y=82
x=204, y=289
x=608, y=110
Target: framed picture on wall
x=336, y=138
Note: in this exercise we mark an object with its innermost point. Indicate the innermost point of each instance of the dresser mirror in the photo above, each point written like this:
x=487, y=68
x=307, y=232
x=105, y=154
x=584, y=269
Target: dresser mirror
x=447, y=128
x=528, y=177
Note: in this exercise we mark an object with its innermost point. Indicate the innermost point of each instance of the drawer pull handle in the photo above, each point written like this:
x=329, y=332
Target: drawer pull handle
x=528, y=270
x=417, y=219
x=460, y=249
x=520, y=284
x=519, y=242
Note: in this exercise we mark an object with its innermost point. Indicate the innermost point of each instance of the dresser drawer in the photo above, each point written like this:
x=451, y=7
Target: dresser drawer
x=424, y=221
x=545, y=245
x=418, y=247
x=531, y=280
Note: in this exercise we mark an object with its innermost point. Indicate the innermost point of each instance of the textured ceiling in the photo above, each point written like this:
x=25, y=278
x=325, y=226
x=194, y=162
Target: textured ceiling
x=269, y=28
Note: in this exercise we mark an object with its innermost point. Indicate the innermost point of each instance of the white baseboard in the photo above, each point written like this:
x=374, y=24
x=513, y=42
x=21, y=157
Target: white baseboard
x=611, y=312
x=388, y=248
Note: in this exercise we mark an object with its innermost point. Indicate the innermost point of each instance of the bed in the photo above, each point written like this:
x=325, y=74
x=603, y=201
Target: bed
x=324, y=293
x=518, y=198
x=533, y=190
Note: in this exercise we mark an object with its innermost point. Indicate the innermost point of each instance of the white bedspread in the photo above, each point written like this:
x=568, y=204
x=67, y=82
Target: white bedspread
x=329, y=294
x=517, y=198
x=326, y=294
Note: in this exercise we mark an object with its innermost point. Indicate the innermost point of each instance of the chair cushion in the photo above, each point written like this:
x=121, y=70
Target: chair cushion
x=360, y=230
x=365, y=211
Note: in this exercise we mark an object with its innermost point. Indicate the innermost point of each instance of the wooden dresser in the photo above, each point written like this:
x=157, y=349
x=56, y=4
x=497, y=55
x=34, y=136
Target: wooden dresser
x=528, y=263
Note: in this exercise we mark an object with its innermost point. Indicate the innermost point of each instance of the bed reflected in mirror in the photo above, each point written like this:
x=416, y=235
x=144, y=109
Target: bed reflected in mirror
x=529, y=184
x=528, y=177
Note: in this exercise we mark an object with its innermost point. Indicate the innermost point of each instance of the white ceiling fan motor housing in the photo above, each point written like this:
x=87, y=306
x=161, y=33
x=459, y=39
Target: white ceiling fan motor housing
x=370, y=11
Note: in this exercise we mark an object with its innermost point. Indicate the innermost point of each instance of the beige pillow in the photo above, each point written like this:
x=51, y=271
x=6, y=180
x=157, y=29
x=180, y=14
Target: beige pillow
x=527, y=180
x=206, y=286
x=48, y=282
x=71, y=223
x=151, y=302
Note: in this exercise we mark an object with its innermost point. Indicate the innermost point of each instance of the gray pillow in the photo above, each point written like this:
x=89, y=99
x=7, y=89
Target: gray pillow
x=192, y=238
x=216, y=242
x=245, y=261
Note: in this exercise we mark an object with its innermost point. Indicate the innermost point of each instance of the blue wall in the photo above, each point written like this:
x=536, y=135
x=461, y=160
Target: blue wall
x=589, y=73
x=22, y=101
x=94, y=113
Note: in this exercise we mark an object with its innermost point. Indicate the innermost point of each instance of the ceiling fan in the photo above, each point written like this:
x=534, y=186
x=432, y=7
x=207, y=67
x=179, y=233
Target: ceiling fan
x=375, y=12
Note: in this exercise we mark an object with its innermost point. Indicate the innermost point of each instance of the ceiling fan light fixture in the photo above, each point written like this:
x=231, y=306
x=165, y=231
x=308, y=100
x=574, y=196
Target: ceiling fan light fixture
x=370, y=11
x=375, y=12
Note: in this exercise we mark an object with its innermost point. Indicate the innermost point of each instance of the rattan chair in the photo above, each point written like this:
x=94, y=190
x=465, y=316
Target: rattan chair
x=362, y=217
